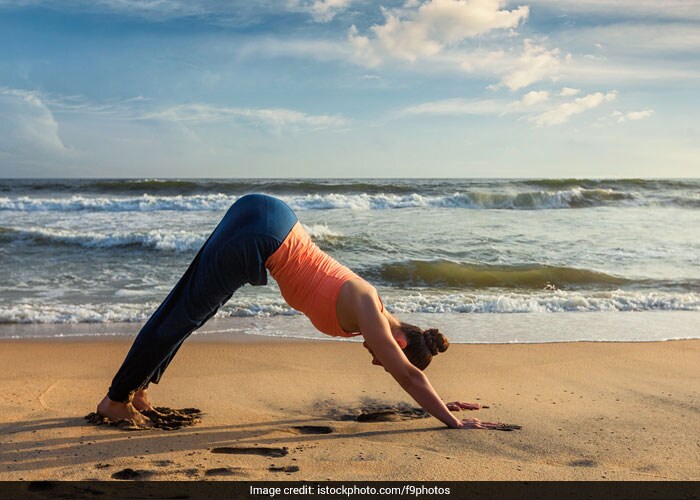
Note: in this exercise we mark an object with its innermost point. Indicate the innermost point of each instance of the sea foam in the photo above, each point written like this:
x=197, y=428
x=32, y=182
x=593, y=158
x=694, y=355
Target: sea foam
x=556, y=301
x=531, y=200
x=161, y=240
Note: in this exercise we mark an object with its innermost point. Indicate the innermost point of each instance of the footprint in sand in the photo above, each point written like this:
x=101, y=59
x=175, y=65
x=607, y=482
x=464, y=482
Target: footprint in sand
x=380, y=416
x=223, y=471
x=170, y=419
x=507, y=427
x=313, y=429
x=374, y=411
x=263, y=451
x=389, y=414
x=162, y=418
x=131, y=474
x=285, y=468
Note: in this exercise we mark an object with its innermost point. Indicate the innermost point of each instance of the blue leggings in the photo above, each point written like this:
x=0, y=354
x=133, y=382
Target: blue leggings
x=233, y=255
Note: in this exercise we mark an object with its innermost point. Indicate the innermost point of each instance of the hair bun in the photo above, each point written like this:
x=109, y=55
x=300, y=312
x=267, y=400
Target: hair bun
x=435, y=341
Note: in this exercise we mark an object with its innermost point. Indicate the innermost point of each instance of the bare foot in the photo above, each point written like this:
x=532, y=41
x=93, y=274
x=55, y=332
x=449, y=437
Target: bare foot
x=141, y=402
x=121, y=411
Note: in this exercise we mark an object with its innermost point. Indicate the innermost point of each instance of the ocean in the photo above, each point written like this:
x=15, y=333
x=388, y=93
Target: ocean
x=486, y=260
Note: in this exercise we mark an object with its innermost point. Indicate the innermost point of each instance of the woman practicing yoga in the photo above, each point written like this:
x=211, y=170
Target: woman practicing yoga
x=260, y=233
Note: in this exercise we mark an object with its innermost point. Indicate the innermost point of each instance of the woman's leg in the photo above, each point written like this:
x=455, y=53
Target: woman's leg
x=262, y=222
x=233, y=255
x=196, y=297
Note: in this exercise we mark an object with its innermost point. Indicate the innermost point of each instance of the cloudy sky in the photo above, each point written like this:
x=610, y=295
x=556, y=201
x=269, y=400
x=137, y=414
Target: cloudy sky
x=350, y=88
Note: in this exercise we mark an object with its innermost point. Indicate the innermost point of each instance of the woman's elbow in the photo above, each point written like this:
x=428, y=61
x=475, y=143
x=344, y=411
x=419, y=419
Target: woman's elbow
x=408, y=376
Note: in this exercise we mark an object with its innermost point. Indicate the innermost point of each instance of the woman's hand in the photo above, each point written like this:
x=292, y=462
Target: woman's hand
x=475, y=423
x=459, y=406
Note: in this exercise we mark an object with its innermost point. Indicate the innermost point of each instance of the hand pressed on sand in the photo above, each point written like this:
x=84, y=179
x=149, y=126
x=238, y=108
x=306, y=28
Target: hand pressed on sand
x=475, y=423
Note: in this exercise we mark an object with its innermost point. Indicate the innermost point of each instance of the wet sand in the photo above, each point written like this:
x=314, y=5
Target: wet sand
x=289, y=410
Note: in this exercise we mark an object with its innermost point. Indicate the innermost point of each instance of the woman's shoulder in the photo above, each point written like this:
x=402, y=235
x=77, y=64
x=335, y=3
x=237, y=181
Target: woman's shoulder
x=357, y=294
x=360, y=286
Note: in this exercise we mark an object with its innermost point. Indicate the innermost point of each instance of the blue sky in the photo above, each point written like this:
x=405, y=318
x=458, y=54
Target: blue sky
x=349, y=88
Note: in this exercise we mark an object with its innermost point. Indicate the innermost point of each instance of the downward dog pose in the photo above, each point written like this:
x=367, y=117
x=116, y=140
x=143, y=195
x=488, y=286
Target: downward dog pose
x=260, y=233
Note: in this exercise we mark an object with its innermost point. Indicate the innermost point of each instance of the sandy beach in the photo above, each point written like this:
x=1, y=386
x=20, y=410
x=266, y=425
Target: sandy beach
x=589, y=411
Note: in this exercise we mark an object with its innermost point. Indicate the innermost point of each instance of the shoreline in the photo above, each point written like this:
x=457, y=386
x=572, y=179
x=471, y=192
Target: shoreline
x=479, y=329
x=589, y=411
x=244, y=338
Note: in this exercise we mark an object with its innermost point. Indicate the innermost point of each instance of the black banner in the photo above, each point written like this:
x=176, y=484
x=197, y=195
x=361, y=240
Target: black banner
x=332, y=490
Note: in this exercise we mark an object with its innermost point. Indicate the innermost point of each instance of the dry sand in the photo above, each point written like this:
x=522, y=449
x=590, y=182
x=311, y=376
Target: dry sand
x=589, y=411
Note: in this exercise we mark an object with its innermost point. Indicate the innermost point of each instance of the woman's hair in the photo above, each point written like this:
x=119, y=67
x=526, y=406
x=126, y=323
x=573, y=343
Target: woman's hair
x=422, y=345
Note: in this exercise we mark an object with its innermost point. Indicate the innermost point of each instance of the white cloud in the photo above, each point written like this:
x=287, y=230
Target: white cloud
x=568, y=92
x=364, y=52
x=322, y=11
x=421, y=30
x=532, y=65
x=639, y=115
x=515, y=68
x=142, y=108
x=632, y=115
x=532, y=98
x=564, y=111
x=274, y=117
x=456, y=107
x=411, y=34
x=459, y=107
x=27, y=125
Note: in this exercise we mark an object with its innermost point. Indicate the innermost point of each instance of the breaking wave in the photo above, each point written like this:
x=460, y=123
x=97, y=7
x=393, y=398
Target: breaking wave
x=464, y=275
x=556, y=301
x=531, y=200
x=159, y=240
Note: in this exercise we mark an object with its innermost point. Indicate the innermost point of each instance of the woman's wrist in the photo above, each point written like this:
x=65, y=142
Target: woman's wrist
x=455, y=424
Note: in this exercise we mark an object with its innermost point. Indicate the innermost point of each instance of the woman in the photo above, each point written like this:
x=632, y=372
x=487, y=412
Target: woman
x=260, y=233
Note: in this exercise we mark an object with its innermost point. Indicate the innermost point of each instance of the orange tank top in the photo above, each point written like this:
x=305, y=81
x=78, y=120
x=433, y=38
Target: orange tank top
x=310, y=280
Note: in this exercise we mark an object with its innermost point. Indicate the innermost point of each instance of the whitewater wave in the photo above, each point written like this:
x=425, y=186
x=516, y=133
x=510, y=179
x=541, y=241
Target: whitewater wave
x=74, y=313
x=160, y=240
x=144, y=203
x=177, y=241
x=687, y=201
x=31, y=312
x=534, y=200
x=322, y=232
x=573, y=198
x=637, y=184
x=557, y=301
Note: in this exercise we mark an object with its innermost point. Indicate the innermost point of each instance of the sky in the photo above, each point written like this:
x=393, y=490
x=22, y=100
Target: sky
x=350, y=88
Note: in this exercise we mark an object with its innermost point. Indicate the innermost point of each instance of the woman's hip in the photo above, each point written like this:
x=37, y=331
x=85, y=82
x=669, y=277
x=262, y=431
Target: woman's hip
x=259, y=214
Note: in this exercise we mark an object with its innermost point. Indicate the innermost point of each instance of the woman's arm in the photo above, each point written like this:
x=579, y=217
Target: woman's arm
x=377, y=333
x=359, y=309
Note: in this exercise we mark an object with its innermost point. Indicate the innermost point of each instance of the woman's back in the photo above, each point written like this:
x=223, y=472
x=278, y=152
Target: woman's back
x=310, y=280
